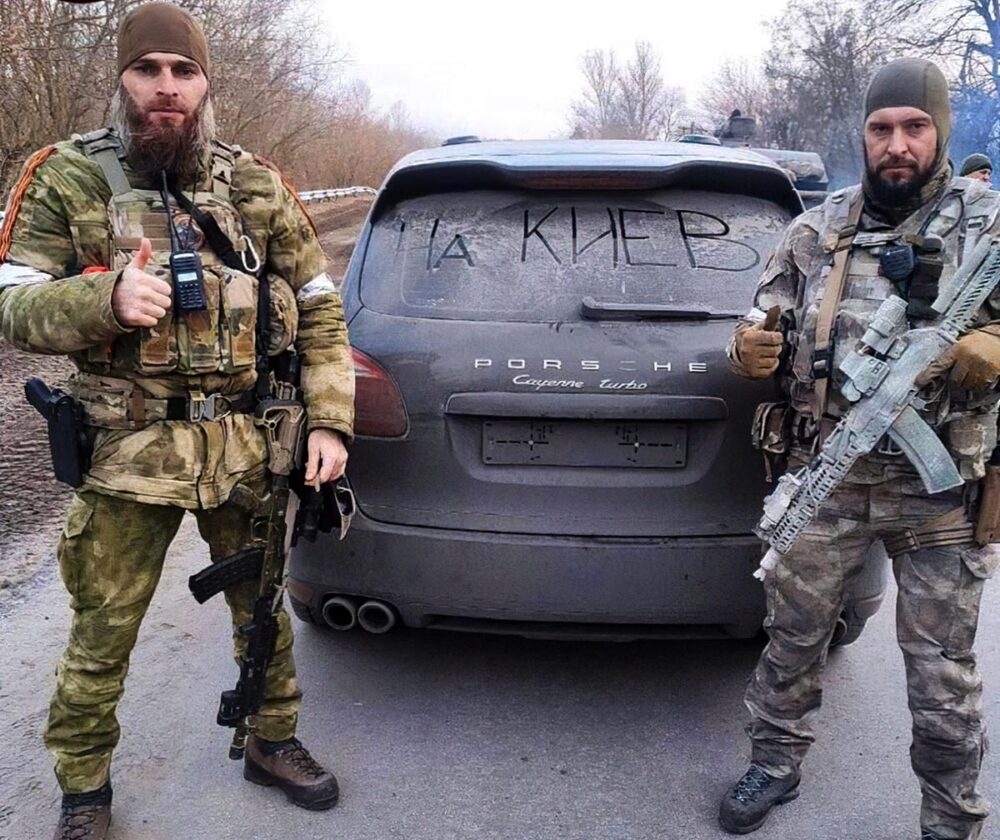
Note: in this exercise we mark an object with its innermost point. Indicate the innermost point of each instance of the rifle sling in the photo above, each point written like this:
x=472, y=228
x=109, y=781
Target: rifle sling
x=822, y=361
x=223, y=247
x=217, y=240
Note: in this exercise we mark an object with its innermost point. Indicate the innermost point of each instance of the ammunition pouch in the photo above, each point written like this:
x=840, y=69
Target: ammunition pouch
x=951, y=529
x=771, y=436
x=988, y=515
x=69, y=444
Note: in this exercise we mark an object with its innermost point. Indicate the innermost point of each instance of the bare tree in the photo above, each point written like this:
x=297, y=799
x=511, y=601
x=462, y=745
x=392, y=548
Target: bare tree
x=822, y=54
x=737, y=85
x=964, y=35
x=277, y=81
x=55, y=72
x=626, y=102
x=596, y=114
x=649, y=108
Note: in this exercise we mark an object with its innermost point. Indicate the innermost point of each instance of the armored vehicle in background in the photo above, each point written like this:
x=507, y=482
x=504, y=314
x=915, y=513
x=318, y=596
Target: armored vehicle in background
x=806, y=169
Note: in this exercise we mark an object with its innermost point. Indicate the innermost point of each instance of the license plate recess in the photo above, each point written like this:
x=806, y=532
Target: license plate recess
x=585, y=443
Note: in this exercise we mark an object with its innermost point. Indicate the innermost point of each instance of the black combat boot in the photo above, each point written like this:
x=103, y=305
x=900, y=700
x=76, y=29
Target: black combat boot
x=930, y=835
x=85, y=816
x=746, y=806
x=288, y=766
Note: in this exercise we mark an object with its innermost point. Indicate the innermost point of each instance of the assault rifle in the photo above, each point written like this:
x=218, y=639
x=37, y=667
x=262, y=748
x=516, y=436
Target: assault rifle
x=883, y=377
x=283, y=422
x=282, y=418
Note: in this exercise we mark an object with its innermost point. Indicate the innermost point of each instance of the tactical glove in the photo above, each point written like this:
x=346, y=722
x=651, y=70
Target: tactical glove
x=974, y=360
x=758, y=348
x=977, y=360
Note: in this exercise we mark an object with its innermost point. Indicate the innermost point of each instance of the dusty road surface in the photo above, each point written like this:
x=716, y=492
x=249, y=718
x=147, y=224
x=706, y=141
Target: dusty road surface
x=32, y=502
x=433, y=736
x=338, y=222
x=437, y=736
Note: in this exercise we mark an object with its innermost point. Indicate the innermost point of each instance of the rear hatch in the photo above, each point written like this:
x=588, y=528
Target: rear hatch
x=560, y=355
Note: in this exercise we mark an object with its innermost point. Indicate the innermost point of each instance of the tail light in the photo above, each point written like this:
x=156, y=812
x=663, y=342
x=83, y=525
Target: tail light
x=379, y=410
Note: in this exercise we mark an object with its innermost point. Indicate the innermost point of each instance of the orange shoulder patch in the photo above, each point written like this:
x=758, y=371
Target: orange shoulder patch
x=17, y=196
x=263, y=161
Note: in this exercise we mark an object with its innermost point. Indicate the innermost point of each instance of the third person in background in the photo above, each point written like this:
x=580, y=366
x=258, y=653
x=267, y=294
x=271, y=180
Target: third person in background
x=977, y=166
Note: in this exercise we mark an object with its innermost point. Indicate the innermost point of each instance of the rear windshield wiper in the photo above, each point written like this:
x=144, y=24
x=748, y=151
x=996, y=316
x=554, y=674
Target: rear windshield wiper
x=598, y=311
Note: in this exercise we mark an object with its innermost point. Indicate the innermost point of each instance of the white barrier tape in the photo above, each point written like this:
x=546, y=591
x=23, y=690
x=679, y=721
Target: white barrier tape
x=315, y=195
x=330, y=195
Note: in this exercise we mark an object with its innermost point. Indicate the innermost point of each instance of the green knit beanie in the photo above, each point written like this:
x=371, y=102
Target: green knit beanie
x=913, y=83
x=973, y=163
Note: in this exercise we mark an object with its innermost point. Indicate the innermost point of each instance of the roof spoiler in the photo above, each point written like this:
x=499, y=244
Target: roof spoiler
x=455, y=175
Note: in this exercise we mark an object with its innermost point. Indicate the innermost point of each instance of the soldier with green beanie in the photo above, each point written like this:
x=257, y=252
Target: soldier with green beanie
x=167, y=392
x=903, y=231
x=977, y=166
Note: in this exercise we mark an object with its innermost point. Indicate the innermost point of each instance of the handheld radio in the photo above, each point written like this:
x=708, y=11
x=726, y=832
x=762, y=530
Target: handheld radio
x=185, y=266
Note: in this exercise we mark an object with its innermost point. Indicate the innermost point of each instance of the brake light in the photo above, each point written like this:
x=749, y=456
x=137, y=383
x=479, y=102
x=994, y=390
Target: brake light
x=379, y=410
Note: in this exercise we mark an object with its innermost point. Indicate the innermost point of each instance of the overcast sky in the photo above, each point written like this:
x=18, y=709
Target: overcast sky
x=512, y=68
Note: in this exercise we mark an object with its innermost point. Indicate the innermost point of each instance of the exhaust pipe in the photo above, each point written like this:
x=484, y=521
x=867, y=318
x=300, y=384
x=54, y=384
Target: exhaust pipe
x=376, y=617
x=340, y=612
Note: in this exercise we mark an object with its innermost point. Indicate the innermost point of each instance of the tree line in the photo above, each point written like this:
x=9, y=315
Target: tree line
x=806, y=90
x=280, y=86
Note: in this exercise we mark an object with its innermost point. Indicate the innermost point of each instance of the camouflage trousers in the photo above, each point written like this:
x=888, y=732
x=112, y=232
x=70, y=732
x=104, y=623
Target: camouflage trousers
x=111, y=555
x=937, y=612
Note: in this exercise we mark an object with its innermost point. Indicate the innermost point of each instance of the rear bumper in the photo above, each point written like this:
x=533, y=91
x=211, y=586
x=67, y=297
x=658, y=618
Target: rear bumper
x=539, y=585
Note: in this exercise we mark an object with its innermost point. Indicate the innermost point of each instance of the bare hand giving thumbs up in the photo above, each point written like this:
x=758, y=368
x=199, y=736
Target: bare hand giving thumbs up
x=140, y=299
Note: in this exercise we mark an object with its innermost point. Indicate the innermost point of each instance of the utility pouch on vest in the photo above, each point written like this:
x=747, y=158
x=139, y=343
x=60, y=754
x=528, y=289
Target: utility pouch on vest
x=988, y=517
x=770, y=435
x=68, y=440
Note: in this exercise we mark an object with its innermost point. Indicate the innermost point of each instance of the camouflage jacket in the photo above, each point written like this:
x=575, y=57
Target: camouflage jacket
x=795, y=279
x=60, y=222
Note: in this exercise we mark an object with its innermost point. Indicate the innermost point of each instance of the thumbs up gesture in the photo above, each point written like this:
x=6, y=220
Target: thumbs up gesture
x=759, y=347
x=140, y=299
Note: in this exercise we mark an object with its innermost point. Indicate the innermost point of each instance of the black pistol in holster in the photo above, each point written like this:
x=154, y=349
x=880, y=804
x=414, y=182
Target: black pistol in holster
x=68, y=441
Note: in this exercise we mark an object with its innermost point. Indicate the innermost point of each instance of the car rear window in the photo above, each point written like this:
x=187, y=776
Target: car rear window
x=533, y=256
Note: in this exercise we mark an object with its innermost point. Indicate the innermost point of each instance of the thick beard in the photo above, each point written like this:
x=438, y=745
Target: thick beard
x=151, y=148
x=902, y=194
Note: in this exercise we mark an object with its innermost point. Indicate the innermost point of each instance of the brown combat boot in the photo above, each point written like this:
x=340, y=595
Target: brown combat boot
x=85, y=816
x=288, y=766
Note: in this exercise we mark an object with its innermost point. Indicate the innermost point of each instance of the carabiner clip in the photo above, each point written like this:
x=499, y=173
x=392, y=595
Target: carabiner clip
x=250, y=269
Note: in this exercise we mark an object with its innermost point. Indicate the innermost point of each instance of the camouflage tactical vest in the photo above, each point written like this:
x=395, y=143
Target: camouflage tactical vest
x=865, y=288
x=950, y=218
x=220, y=338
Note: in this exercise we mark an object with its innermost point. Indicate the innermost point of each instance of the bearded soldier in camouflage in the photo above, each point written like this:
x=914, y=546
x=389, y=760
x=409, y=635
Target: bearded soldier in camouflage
x=909, y=202
x=167, y=395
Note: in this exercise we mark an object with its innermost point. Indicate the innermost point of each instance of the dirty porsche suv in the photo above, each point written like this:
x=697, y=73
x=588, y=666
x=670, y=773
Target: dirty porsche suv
x=549, y=438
